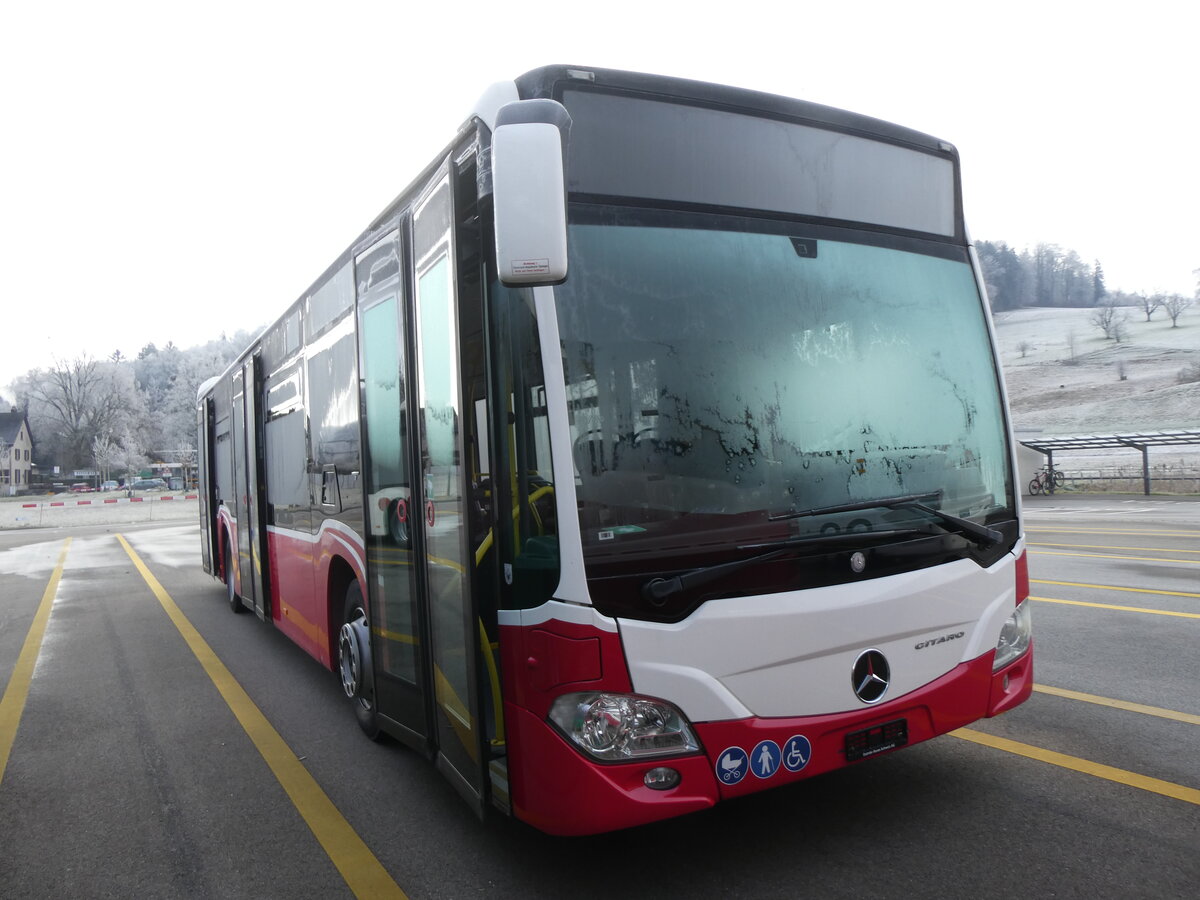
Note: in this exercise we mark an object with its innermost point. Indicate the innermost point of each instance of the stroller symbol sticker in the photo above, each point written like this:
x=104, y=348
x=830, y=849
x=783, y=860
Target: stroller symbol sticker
x=732, y=765
x=796, y=753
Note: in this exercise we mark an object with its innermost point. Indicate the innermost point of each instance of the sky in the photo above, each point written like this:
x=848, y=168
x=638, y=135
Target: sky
x=175, y=171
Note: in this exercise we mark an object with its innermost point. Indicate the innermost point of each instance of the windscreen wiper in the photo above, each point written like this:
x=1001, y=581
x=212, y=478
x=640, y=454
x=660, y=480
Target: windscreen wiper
x=984, y=535
x=657, y=590
x=886, y=502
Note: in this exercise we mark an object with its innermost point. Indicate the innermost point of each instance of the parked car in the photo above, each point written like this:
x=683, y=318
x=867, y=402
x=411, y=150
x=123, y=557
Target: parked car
x=81, y=487
x=108, y=486
x=148, y=484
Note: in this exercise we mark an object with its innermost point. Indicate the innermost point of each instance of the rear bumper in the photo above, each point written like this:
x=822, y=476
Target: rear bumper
x=556, y=789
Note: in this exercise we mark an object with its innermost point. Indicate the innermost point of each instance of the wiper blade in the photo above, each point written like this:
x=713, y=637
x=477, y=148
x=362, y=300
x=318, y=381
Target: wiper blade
x=986, y=536
x=983, y=534
x=885, y=502
x=840, y=538
x=658, y=590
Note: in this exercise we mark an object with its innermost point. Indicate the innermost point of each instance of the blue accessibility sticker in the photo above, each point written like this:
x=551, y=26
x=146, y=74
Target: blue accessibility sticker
x=765, y=759
x=796, y=753
x=732, y=765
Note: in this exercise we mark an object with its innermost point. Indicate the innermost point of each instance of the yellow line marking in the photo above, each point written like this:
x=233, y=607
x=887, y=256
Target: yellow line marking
x=17, y=692
x=1119, y=704
x=1087, y=767
x=1113, y=587
x=363, y=873
x=1113, y=531
x=1184, y=562
x=1099, y=547
x=1137, y=609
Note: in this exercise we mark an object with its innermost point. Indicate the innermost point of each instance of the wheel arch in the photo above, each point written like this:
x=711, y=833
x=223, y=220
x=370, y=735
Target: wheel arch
x=224, y=541
x=340, y=576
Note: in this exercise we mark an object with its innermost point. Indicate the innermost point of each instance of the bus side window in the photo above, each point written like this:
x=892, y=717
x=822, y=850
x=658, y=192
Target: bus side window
x=522, y=478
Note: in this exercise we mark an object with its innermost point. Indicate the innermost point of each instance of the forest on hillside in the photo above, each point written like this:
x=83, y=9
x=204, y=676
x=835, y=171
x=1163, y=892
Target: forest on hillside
x=118, y=415
x=1048, y=275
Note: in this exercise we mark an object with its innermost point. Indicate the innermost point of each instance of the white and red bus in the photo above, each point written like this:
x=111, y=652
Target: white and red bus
x=648, y=451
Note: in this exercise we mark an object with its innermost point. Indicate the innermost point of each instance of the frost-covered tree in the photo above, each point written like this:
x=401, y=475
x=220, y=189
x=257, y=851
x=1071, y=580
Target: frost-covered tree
x=1150, y=303
x=70, y=403
x=1174, y=306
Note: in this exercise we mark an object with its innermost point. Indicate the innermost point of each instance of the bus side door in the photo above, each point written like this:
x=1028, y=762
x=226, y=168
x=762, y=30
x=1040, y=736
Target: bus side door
x=444, y=556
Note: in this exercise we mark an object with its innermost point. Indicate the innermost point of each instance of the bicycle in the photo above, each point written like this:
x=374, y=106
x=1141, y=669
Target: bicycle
x=1047, y=480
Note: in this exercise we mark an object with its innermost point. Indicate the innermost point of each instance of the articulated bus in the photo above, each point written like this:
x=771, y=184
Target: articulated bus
x=649, y=450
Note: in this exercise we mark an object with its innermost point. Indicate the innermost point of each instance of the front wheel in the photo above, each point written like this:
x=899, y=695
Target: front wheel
x=354, y=662
x=1035, y=486
x=1059, y=478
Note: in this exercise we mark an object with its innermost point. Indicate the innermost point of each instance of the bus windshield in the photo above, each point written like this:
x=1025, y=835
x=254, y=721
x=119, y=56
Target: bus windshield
x=724, y=383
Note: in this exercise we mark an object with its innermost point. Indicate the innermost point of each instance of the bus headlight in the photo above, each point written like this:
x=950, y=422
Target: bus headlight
x=623, y=727
x=1014, y=637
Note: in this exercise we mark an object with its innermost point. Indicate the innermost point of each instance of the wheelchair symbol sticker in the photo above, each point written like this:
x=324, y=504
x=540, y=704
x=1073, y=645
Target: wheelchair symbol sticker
x=796, y=753
x=732, y=765
x=765, y=759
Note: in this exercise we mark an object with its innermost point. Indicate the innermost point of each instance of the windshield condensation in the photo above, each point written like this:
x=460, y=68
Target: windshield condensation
x=725, y=380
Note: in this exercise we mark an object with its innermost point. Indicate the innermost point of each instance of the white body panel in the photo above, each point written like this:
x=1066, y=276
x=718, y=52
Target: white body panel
x=791, y=654
x=555, y=611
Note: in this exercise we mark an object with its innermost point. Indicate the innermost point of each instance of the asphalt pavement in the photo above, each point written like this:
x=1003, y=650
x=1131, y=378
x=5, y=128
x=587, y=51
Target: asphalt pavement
x=132, y=772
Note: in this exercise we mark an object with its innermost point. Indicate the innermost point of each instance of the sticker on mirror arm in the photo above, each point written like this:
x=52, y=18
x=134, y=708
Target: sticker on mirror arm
x=530, y=266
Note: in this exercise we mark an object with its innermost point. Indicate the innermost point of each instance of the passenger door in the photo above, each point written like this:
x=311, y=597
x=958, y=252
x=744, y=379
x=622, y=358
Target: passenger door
x=444, y=560
x=397, y=624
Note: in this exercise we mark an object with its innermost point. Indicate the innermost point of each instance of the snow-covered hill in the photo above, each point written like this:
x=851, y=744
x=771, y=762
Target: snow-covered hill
x=1064, y=377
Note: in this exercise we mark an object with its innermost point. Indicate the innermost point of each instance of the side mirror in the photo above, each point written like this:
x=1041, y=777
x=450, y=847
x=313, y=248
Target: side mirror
x=529, y=192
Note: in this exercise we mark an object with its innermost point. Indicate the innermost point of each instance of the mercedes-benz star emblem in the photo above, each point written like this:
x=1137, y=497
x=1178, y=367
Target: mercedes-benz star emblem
x=871, y=676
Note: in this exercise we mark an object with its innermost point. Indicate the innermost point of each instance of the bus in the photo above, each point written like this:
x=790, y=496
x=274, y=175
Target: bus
x=649, y=450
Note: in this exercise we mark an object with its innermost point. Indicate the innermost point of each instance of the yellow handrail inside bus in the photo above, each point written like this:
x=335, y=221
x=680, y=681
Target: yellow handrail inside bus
x=489, y=659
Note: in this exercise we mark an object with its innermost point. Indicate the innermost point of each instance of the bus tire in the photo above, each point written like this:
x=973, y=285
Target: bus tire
x=354, y=661
x=235, y=602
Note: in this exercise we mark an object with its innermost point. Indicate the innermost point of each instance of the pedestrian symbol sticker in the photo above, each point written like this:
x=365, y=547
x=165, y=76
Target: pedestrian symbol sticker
x=796, y=753
x=765, y=759
x=732, y=765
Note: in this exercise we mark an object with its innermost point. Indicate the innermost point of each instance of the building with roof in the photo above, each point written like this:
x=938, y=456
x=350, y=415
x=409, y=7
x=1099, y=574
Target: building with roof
x=16, y=452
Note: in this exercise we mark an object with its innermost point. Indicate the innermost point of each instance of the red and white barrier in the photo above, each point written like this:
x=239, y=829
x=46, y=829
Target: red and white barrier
x=108, y=500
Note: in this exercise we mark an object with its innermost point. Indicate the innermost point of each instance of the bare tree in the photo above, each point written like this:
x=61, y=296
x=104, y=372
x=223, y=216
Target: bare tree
x=130, y=457
x=1174, y=306
x=104, y=452
x=1150, y=304
x=73, y=402
x=1110, y=319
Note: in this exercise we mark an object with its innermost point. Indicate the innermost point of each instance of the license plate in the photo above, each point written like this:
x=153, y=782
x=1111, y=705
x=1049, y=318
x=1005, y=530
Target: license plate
x=876, y=739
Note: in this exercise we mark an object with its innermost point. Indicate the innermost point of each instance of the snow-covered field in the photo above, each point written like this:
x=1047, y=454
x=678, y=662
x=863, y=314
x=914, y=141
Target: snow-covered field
x=1065, y=378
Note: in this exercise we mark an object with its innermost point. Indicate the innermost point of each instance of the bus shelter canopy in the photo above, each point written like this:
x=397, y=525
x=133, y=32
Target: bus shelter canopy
x=1136, y=440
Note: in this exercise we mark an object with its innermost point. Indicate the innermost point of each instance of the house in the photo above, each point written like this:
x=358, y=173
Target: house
x=16, y=452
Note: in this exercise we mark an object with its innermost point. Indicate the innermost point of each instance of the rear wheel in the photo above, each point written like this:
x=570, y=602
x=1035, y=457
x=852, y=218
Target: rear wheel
x=1059, y=478
x=354, y=661
x=1035, y=486
x=235, y=602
